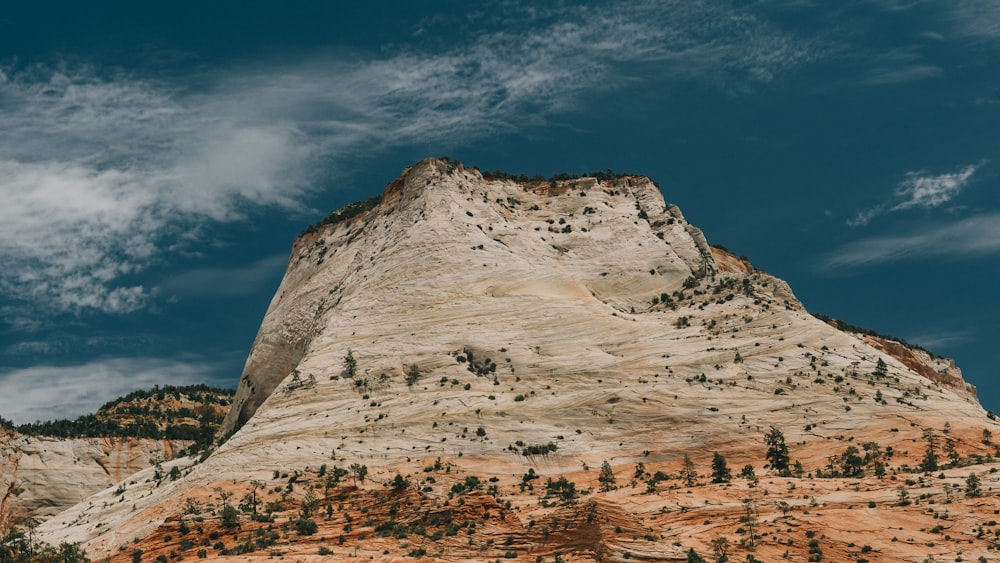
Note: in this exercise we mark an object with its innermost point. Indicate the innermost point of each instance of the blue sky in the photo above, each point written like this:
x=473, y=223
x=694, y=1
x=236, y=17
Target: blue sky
x=158, y=159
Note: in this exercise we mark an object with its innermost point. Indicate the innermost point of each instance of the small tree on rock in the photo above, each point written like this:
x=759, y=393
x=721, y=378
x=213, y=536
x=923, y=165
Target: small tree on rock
x=720, y=549
x=607, y=477
x=930, y=461
x=358, y=472
x=412, y=374
x=851, y=462
x=881, y=369
x=688, y=472
x=720, y=471
x=750, y=519
x=400, y=483
x=350, y=364
x=973, y=488
x=230, y=516
x=777, y=451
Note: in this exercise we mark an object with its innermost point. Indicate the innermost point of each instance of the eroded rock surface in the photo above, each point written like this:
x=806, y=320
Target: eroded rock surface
x=41, y=477
x=497, y=327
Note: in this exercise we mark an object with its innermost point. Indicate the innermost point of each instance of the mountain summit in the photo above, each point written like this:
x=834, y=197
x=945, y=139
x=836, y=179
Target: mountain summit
x=555, y=368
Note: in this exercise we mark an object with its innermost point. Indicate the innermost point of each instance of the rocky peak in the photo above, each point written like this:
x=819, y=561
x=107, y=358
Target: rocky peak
x=441, y=225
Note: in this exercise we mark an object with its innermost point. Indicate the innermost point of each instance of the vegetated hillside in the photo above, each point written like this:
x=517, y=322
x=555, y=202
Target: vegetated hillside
x=191, y=412
x=482, y=369
x=48, y=466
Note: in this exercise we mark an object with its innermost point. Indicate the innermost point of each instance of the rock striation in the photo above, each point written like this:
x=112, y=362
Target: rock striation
x=473, y=327
x=40, y=476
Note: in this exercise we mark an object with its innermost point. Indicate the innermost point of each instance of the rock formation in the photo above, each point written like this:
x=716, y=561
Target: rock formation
x=44, y=472
x=40, y=477
x=483, y=347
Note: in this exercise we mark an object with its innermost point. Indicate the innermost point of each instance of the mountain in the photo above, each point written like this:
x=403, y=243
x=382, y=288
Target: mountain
x=475, y=367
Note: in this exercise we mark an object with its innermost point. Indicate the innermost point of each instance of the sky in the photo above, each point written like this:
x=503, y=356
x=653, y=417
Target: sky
x=158, y=159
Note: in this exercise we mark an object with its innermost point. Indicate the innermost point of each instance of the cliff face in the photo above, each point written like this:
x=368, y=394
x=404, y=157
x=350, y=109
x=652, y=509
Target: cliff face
x=470, y=327
x=445, y=245
x=40, y=477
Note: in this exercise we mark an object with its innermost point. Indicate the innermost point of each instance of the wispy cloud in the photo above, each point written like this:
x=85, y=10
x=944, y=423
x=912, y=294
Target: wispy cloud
x=976, y=18
x=972, y=237
x=902, y=74
x=919, y=190
x=899, y=66
x=939, y=339
x=41, y=392
x=226, y=282
x=105, y=173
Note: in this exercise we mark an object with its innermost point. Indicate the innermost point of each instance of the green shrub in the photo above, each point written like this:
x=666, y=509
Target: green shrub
x=230, y=516
x=306, y=526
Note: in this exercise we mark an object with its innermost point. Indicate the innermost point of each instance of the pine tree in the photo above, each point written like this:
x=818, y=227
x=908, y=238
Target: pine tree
x=930, y=461
x=851, y=462
x=797, y=469
x=881, y=370
x=607, y=477
x=973, y=488
x=720, y=471
x=720, y=549
x=949, y=450
x=777, y=451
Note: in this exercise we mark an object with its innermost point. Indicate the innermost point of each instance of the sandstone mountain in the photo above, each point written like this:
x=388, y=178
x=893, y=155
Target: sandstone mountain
x=474, y=368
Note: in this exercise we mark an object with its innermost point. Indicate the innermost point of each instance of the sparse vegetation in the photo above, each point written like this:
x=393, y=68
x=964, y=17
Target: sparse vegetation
x=19, y=547
x=350, y=364
x=349, y=211
x=190, y=412
x=847, y=327
x=412, y=374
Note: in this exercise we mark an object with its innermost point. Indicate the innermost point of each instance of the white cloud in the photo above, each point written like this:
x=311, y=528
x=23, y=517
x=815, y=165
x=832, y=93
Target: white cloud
x=46, y=392
x=931, y=191
x=919, y=190
x=971, y=237
x=104, y=173
x=100, y=177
